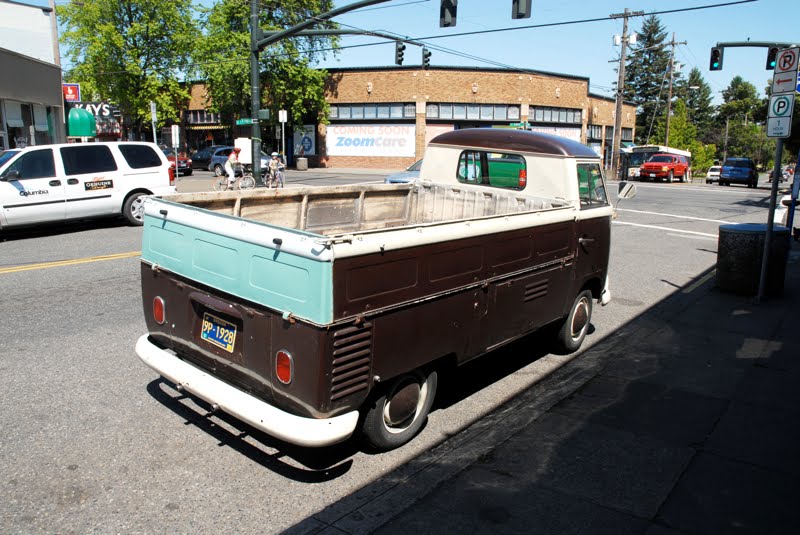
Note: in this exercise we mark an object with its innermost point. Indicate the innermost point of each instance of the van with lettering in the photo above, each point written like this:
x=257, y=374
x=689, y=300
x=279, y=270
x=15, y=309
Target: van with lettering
x=50, y=183
x=316, y=313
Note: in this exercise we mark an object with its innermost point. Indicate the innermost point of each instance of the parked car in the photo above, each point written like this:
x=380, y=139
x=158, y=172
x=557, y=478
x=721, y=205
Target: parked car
x=664, y=166
x=50, y=183
x=738, y=171
x=216, y=163
x=409, y=175
x=781, y=217
x=713, y=174
x=184, y=163
x=201, y=158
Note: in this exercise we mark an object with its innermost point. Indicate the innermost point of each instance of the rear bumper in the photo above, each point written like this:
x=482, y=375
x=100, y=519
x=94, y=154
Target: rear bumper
x=298, y=430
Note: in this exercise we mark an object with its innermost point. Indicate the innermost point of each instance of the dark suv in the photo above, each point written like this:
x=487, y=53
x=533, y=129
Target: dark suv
x=738, y=171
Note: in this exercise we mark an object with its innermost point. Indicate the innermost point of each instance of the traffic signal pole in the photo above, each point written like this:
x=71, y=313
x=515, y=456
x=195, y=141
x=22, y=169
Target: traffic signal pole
x=257, y=43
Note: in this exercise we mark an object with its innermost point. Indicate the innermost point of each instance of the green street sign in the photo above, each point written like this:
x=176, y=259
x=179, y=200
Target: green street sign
x=244, y=121
x=520, y=124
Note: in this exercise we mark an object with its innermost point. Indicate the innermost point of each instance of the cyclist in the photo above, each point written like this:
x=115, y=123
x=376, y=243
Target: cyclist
x=231, y=165
x=276, y=171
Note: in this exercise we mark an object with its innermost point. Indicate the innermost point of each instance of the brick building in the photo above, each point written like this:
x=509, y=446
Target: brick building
x=384, y=117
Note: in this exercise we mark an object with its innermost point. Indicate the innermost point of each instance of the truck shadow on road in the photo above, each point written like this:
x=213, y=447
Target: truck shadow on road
x=317, y=465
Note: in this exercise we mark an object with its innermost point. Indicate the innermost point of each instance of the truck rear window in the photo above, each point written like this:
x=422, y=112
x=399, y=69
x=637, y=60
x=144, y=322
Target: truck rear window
x=495, y=169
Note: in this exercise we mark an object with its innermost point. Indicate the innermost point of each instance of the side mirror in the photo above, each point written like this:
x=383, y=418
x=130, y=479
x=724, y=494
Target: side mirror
x=627, y=190
x=11, y=175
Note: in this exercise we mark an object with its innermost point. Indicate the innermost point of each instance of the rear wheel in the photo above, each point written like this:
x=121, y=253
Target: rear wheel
x=397, y=415
x=133, y=209
x=576, y=325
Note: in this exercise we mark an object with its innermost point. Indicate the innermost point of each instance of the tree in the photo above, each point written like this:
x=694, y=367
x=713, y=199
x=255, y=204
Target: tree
x=130, y=52
x=646, y=75
x=682, y=133
x=739, y=133
x=696, y=92
x=288, y=81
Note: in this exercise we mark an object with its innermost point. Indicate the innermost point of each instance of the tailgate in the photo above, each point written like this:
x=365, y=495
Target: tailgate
x=283, y=269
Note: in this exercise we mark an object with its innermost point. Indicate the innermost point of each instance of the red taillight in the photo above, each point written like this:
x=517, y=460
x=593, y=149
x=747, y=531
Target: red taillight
x=523, y=178
x=159, y=310
x=188, y=162
x=284, y=366
x=171, y=175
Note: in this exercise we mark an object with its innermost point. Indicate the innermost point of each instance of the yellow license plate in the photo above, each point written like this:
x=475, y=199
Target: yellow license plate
x=218, y=332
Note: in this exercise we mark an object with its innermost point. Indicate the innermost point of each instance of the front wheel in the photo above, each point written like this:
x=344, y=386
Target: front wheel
x=670, y=177
x=247, y=182
x=133, y=209
x=576, y=325
x=399, y=413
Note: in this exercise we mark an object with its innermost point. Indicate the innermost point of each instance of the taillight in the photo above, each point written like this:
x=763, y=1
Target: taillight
x=284, y=366
x=523, y=178
x=188, y=162
x=159, y=310
x=171, y=175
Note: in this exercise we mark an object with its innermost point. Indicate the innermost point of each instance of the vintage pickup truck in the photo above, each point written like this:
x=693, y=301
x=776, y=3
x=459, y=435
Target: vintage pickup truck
x=313, y=312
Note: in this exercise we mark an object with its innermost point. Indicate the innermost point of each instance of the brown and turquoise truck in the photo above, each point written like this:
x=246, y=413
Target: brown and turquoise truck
x=317, y=313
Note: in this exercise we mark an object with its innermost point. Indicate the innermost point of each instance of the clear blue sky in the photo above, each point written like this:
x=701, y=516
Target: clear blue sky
x=578, y=49
x=584, y=49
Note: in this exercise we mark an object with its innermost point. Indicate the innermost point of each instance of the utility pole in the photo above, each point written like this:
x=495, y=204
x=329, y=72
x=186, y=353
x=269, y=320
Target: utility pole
x=620, y=88
x=671, y=72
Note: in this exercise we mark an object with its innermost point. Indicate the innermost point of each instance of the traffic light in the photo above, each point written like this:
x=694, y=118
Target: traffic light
x=716, y=59
x=447, y=13
x=426, y=58
x=520, y=9
x=772, y=57
x=399, y=46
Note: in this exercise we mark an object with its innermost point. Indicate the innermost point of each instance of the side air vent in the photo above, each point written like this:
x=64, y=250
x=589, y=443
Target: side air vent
x=535, y=290
x=352, y=355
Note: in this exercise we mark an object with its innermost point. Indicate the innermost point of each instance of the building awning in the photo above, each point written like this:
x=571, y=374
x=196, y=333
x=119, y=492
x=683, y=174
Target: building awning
x=205, y=127
x=40, y=118
x=81, y=123
x=627, y=144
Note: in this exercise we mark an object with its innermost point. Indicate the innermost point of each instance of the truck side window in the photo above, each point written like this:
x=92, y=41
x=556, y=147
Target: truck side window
x=591, y=188
x=36, y=164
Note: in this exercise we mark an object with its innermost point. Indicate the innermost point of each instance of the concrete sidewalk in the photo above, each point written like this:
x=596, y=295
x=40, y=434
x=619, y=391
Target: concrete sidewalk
x=687, y=422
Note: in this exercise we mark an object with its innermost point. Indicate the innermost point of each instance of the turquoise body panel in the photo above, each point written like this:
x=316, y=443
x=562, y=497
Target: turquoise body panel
x=279, y=280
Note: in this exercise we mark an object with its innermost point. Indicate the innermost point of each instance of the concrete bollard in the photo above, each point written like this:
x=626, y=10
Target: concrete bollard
x=740, y=250
x=302, y=164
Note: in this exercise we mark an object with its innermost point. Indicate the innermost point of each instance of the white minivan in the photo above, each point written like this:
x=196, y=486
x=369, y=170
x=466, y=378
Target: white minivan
x=48, y=183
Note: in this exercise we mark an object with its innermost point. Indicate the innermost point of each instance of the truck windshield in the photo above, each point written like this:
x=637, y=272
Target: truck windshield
x=6, y=155
x=666, y=159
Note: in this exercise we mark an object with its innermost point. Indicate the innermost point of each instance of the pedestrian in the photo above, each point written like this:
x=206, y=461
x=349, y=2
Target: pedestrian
x=231, y=165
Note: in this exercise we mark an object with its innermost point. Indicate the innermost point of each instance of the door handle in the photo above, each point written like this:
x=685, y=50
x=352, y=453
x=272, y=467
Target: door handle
x=72, y=181
x=55, y=183
x=585, y=242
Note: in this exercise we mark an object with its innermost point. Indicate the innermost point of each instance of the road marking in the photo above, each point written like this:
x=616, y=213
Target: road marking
x=699, y=282
x=667, y=228
x=76, y=261
x=672, y=215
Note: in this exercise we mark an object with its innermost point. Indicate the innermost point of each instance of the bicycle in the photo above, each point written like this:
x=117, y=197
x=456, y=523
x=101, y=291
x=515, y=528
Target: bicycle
x=244, y=181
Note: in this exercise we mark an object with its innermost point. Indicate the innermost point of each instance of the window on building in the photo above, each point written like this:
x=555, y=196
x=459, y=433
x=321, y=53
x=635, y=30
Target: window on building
x=594, y=131
x=356, y=112
x=432, y=111
x=627, y=134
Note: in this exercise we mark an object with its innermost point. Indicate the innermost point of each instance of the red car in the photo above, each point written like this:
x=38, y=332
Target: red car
x=184, y=163
x=665, y=167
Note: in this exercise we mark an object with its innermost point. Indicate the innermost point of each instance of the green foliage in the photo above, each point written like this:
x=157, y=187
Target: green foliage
x=646, y=75
x=702, y=156
x=130, y=52
x=682, y=132
x=287, y=81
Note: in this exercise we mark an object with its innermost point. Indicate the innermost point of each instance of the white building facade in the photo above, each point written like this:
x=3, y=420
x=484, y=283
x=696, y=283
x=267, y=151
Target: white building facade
x=31, y=99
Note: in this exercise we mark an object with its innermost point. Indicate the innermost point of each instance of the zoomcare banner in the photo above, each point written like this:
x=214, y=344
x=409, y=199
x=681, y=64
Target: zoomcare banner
x=371, y=140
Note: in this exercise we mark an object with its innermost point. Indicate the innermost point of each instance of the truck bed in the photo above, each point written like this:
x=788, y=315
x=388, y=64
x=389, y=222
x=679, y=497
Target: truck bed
x=335, y=210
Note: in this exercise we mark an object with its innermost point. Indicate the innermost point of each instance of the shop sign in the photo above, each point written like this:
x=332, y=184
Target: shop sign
x=392, y=140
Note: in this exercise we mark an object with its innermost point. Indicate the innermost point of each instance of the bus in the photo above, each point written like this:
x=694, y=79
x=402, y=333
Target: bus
x=632, y=158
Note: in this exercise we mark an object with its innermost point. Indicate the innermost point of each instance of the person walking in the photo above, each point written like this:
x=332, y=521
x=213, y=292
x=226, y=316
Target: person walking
x=276, y=171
